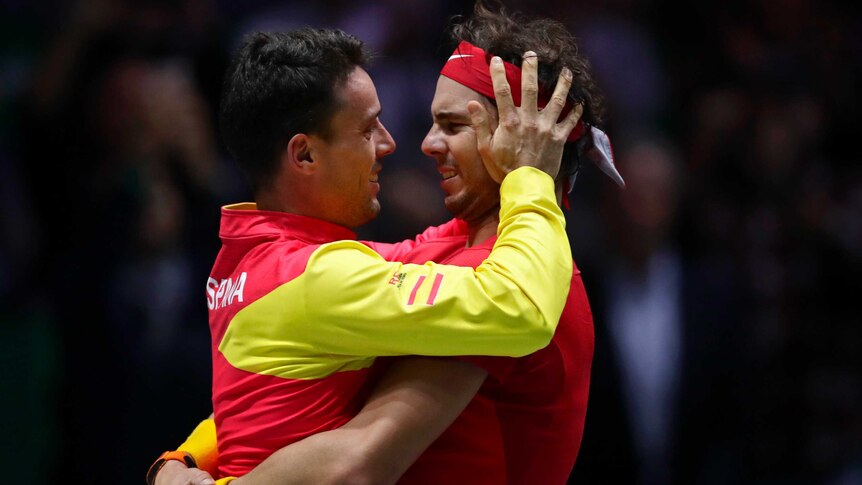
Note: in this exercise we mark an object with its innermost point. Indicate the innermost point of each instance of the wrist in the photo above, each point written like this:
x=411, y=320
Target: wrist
x=169, y=459
x=169, y=468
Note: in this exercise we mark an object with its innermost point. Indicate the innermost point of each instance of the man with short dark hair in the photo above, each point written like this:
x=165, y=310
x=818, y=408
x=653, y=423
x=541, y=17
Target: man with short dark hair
x=298, y=311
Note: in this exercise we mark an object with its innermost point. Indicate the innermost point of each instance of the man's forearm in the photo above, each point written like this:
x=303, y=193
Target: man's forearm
x=414, y=403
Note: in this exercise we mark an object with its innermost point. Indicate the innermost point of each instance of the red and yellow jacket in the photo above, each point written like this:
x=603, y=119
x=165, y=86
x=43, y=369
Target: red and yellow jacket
x=299, y=310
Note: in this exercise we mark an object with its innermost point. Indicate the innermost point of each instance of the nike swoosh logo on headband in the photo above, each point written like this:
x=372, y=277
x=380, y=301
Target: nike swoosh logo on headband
x=458, y=56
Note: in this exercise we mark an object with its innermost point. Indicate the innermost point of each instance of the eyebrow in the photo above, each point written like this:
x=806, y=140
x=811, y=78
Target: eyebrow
x=376, y=114
x=450, y=115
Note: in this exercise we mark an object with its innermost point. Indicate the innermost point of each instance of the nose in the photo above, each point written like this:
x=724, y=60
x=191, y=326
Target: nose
x=385, y=142
x=432, y=144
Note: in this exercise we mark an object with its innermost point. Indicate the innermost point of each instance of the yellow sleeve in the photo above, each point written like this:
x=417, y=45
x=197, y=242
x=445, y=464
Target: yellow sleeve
x=203, y=446
x=351, y=302
x=223, y=481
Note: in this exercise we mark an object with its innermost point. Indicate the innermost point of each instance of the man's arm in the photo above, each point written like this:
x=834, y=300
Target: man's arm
x=175, y=472
x=413, y=404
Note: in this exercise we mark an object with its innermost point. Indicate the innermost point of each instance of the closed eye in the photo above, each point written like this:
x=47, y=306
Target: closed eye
x=454, y=126
x=371, y=130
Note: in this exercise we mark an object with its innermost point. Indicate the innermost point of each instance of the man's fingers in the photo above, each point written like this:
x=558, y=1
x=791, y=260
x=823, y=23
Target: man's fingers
x=558, y=99
x=502, y=90
x=529, y=82
x=204, y=479
x=481, y=125
x=484, y=139
x=571, y=120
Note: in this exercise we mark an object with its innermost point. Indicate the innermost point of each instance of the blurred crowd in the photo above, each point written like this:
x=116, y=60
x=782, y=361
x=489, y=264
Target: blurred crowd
x=724, y=280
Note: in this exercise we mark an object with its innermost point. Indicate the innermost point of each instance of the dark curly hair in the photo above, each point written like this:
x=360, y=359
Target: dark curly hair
x=280, y=84
x=509, y=35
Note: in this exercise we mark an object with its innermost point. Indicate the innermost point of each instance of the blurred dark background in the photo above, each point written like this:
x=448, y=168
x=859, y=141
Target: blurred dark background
x=724, y=281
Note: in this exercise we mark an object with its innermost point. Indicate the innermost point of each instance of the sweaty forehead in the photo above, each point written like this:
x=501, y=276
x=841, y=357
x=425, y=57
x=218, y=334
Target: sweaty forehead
x=451, y=98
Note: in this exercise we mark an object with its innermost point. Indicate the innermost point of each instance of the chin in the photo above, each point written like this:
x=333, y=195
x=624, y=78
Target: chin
x=372, y=212
x=454, y=204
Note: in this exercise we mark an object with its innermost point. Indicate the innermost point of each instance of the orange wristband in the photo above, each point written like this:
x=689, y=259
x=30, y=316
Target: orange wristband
x=182, y=456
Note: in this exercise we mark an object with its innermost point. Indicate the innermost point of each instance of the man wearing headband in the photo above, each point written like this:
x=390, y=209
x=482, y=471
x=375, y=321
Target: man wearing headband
x=525, y=423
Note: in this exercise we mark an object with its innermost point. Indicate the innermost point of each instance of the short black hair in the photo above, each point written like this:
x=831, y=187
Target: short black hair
x=280, y=84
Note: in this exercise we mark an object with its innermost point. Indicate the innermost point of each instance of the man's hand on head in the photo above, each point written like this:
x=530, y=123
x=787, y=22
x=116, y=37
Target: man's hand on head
x=525, y=136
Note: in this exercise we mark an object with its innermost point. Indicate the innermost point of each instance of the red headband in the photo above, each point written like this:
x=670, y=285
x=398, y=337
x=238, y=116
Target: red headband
x=470, y=65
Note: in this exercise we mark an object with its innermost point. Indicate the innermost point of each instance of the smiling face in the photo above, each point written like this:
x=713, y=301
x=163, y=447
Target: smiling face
x=471, y=194
x=350, y=156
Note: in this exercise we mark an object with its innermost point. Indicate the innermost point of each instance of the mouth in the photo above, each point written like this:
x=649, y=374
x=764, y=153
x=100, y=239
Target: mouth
x=447, y=174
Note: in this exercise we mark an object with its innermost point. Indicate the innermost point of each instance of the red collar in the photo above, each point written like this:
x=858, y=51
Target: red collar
x=244, y=220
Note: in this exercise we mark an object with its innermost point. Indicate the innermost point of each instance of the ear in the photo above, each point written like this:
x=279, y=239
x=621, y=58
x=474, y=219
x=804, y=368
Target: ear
x=297, y=155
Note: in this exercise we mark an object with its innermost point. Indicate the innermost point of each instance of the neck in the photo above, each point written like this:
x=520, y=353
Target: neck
x=270, y=201
x=483, y=228
x=479, y=231
x=274, y=201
